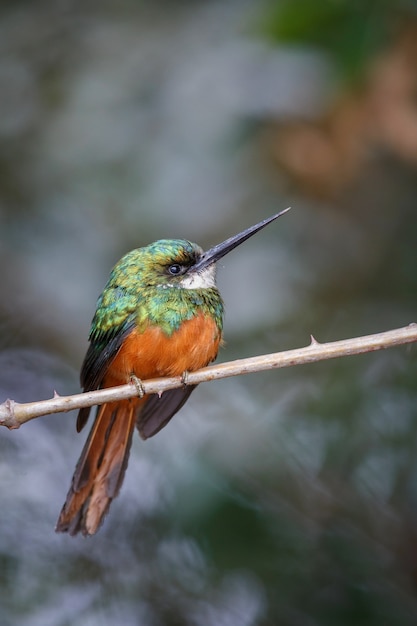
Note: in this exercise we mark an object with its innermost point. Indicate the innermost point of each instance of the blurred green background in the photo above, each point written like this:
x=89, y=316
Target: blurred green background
x=282, y=498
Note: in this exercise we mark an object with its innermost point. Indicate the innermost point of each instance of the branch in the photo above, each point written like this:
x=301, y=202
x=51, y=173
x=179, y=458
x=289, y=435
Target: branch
x=13, y=414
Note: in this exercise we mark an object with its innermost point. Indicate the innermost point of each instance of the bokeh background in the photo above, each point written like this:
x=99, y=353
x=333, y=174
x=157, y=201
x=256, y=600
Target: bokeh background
x=284, y=498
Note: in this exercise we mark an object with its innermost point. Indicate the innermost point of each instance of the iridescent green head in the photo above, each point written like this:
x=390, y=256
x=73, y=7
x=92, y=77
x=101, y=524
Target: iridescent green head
x=168, y=263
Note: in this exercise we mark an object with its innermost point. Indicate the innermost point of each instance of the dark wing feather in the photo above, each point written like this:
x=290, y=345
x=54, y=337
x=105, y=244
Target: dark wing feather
x=100, y=353
x=156, y=412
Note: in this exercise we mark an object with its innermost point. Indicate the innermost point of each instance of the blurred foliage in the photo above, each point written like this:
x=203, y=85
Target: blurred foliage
x=283, y=498
x=371, y=50
x=350, y=31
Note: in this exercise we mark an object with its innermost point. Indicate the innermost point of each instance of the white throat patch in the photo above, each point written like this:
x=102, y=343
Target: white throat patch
x=200, y=280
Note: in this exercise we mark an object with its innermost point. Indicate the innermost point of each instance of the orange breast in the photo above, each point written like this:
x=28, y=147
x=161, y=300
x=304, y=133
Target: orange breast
x=151, y=354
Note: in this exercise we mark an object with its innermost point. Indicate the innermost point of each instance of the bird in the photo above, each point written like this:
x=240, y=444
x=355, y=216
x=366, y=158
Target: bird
x=160, y=314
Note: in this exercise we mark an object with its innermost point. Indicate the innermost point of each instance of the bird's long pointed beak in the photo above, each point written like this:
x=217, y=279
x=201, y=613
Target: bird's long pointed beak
x=219, y=251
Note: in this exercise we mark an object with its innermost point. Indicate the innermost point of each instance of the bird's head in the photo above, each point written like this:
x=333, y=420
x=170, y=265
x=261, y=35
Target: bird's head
x=178, y=263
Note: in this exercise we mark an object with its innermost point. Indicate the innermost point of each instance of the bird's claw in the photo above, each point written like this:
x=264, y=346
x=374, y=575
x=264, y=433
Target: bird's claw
x=184, y=378
x=138, y=384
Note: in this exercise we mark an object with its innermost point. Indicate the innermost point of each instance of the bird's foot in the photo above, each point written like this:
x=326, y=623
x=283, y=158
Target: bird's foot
x=138, y=384
x=184, y=378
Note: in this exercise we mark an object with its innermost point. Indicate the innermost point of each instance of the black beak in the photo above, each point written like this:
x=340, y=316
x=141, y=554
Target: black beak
x=219, y=251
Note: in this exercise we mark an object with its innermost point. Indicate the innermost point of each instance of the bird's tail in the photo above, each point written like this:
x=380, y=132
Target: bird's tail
x=100, y=470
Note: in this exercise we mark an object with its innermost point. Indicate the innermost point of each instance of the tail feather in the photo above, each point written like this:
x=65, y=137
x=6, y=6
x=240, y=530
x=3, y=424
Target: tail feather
x=100, y=471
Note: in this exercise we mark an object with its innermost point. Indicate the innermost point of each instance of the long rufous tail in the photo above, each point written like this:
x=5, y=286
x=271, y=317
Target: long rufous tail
x=100, y=470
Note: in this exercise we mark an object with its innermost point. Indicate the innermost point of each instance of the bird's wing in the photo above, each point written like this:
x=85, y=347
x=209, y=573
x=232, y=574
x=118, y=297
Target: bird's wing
x=101, y=351
x=156, y=412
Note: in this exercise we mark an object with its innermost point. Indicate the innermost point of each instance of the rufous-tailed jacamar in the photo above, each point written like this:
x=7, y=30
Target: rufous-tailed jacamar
x=160, y=314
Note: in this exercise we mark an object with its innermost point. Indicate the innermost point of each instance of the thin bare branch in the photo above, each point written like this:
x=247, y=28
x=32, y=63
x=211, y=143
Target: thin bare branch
x=13, y=414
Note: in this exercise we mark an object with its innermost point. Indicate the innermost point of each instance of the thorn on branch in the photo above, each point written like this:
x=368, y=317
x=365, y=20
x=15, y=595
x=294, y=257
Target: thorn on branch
x=313, y=341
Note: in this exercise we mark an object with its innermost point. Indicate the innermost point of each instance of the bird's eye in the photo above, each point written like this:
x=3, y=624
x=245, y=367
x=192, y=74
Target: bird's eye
x=175, y=269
